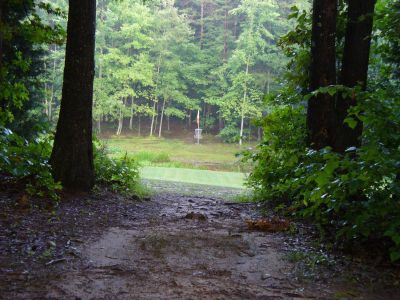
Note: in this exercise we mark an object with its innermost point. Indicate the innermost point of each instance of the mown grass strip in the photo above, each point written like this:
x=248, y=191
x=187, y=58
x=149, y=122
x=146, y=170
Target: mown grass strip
x=214, y=178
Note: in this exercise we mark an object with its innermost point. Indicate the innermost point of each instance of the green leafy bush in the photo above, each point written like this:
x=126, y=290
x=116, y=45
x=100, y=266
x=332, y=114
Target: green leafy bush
x=355, y=196
x=121, y=174
x=27, y=162
x=231, y=134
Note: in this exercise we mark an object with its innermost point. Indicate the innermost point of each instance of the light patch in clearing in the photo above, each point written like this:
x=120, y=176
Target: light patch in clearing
x=214, y=178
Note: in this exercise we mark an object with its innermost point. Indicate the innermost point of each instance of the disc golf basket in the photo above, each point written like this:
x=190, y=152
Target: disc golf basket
x=197, y=135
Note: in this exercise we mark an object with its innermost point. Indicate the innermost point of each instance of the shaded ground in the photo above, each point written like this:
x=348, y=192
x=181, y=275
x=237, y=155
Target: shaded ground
x=171, y=247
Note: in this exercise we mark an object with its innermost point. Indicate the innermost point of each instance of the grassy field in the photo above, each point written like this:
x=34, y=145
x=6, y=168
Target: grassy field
x=206, y=177
x=179, y=153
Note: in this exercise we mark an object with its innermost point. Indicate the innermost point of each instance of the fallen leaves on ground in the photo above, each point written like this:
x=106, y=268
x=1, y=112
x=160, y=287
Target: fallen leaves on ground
x=272, y=225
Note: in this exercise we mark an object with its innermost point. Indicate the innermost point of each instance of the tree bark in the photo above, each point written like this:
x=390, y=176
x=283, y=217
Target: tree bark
x=161, y=119
x=139, y=125
x=320, y=111
x=243, y=105
x=354, y=69
x=152, y=119
x=156, y=120
x=99, y=125
x=131, y=116
x=72, y=155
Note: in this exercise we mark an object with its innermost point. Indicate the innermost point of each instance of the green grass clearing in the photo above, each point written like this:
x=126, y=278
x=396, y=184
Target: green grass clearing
x=179, y=153
x=212, y=178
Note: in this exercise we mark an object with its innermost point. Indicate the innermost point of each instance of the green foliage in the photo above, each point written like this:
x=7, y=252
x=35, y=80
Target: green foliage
x=121, y=174
x=353, y=197
x=22, y=35
x=27, y=162
x=230, y=134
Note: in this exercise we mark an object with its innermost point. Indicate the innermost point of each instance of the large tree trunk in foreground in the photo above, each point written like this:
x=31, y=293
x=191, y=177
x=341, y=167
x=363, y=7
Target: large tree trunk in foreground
x=320, y=113
x=354, y=68
x=72, y=156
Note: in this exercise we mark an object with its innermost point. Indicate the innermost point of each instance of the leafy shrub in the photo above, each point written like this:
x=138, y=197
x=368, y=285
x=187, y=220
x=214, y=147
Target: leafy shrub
x=121, y=174
x=355, y=196
x=231, y=134
x=27, y=162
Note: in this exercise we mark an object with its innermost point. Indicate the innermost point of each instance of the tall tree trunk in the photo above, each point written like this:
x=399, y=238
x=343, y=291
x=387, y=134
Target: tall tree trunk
x=168, y=128
x=46, y=100
x=161, y=118
x=243, y=106
x=354, y=68
x=131, y=116
x=220, y=121
x=100, y=77
x=120, y=119
x=154, y=116
x=321, y=108
x=152, y=119
x=50, y=108
x=139, y=125
x=72, y=155
x=156, y=121
x=99, y=125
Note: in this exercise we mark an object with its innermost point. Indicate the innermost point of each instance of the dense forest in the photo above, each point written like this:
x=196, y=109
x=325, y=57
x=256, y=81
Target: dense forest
x=315, y=85
x=169, y=60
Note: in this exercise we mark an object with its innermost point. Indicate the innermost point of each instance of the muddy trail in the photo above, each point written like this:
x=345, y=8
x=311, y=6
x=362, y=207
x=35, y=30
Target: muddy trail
x=173, y=247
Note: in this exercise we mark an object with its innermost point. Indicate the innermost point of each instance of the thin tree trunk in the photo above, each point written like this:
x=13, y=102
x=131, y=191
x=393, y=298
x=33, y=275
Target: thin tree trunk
x=72, y=155
x=139, y=125
x=46, y=101
x=168, y=128
x=154, y=126
x=50, y=109
x=131, y=117
x=120, y=119
x=119, y=128
x=100, y=77
x=220, y=121
x=354, y=69
x=161, y=118
x=156, y=121
x=321, y=112
x=243, y=106
x=152, y=119
x=99, y=125
x=235, y=25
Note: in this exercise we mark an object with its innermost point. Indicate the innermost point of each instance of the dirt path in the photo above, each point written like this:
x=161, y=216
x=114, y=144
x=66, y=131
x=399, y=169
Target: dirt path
x=178, y=247
x=182, y=247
